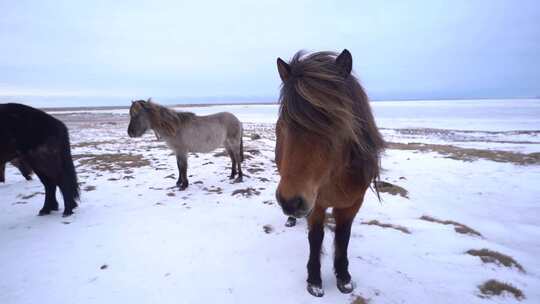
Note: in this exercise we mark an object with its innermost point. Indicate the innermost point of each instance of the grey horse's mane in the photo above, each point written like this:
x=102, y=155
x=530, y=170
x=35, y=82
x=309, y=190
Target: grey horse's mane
x=162, y=119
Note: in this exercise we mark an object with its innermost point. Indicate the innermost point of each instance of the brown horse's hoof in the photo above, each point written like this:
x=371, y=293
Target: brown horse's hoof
x=182, y=187
x=315, y=290
x=291, y=222
x=67, y=213
x=345, y=287
x=43, y=212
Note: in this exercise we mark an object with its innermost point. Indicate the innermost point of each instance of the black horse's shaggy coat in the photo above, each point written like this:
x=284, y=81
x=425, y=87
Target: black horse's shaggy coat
x=43, y=142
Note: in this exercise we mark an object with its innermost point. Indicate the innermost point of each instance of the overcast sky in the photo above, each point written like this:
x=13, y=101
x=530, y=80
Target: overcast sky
x=401, y=49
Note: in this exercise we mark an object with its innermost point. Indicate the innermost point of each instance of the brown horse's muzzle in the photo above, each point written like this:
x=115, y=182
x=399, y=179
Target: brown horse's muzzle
x=295, y=206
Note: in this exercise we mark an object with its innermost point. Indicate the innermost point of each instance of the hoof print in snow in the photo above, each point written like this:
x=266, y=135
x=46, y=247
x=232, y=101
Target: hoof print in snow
x=66, y=222
x=268, y=229
x=247, y=192
x=495, y=288
x=198, y=182
x=171, y=194
x=264, y=179
x=104, y=266
x=128, y=177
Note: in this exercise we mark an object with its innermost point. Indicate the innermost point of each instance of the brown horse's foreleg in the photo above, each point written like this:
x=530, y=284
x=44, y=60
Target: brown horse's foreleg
x=315, y=236
x=181, y=162
x=2, y=172
x=344, y=218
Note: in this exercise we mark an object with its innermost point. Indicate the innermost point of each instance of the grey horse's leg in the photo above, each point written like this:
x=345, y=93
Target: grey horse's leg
x=181, y=161
x=238, y=158
x=233, y=161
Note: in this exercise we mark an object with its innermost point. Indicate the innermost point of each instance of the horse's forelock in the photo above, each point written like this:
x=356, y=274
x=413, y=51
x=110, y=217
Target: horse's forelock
x=318, y=84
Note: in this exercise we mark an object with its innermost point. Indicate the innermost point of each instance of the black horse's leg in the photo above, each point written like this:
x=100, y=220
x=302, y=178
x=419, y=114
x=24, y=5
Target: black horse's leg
x=181, y=161
x=233, y=160
x=344, y=219
x=51, y=204
x=2, y=172
x=24, y=168
x=315, y=236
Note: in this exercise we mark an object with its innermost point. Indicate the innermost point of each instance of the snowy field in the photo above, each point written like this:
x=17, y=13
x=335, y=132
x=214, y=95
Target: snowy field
x=462, y=176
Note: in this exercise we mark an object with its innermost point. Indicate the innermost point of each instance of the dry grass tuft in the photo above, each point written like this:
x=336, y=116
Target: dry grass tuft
x=496, y=288
x=489, y=256
x=111, y=162
x=247, y=192
x=392, y=189
x=89, y=188
x=458, y=227
x=360, y=300
x=467, y=154
x=385, y=225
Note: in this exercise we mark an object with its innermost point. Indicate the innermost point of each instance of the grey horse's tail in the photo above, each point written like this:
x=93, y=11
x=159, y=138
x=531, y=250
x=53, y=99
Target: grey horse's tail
x=242, y=145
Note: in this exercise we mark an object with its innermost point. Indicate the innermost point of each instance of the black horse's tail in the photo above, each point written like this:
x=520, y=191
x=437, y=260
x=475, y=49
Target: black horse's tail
x=69, y=176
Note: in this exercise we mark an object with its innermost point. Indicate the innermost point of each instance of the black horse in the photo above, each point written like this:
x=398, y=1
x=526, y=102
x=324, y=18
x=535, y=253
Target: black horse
x=43, y=142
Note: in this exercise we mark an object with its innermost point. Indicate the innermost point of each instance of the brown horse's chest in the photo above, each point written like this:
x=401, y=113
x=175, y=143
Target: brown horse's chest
x=341, y=192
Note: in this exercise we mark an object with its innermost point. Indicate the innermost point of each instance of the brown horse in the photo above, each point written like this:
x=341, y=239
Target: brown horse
x=327, y=152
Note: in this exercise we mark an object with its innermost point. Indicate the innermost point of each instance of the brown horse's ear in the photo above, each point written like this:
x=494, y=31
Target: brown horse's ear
x=284, y=69
x=344, y=61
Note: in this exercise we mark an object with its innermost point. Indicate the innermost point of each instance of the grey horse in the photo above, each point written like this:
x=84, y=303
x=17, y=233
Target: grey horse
x=186, y=132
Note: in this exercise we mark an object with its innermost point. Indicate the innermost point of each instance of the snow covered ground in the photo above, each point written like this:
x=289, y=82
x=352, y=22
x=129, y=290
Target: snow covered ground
x=136, y=239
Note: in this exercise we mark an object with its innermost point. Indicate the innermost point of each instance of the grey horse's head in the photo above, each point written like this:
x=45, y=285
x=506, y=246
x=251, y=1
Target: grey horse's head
x=139, y=121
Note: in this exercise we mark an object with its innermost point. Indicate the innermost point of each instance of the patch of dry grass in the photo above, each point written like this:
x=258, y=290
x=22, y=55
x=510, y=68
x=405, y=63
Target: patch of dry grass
x=111, y=162
x=468, y=154
x=458, y=227
x=360, y=300
x=93, y=144
x=247, y=192
x=386, y=225
x=392, y=189
x=496, y=288
x=89, y=188
x=490, y=256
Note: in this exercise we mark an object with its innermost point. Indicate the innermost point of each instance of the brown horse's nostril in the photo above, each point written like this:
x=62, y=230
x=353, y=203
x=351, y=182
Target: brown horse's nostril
x=291, y=207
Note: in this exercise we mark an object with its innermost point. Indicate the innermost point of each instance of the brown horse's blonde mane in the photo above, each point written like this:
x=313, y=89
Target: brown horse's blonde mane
x=319, y=99
x=162, y=119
